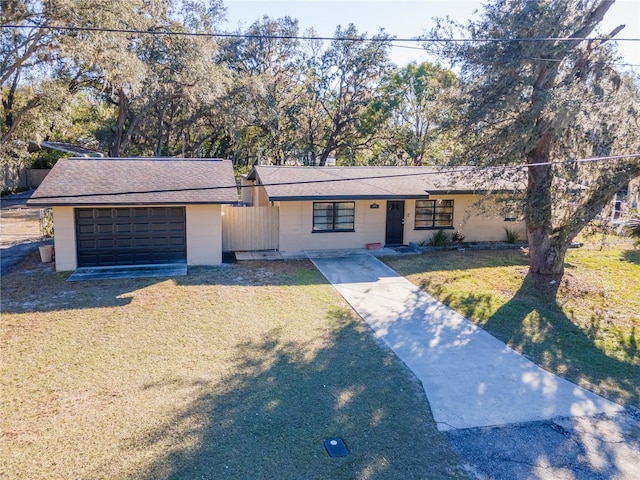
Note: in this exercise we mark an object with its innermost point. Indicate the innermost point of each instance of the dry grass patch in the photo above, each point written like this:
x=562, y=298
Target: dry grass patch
x=232, y=372
x=19, y=224
x=585, y=327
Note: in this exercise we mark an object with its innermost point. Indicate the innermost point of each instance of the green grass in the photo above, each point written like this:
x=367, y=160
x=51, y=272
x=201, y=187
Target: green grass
x=585, y=328
x=234, y=372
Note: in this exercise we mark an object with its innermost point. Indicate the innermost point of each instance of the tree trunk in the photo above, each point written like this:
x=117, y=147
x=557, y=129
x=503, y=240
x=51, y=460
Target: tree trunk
x=329, y=147
x=323, y=159
x=159, y=134
x=14, y=118
x=546, y=252
x=118, y=129
x=7, y=104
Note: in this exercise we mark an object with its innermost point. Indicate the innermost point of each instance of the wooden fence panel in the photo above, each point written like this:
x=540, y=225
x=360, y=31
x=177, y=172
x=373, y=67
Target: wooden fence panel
x=17, y=177
x=246, y=229
x=36, y=176
x=13, y=177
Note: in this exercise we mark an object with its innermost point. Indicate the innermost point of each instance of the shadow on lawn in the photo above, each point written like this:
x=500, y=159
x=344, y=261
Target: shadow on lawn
x=268, y=418
x=463, y=260
x=534, y=323
x=32, y=286
x=632, y=256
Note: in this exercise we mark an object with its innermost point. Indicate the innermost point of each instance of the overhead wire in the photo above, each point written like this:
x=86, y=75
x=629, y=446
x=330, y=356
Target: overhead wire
x=307, y=37
x=393, y=42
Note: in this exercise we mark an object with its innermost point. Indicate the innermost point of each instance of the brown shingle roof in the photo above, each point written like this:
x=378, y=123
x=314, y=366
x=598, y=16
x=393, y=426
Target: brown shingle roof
x=137, y=181
x=284, y=183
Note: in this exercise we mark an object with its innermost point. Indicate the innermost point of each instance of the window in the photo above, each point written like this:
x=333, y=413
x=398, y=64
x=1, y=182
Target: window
x=333, y=216
x=434, y=214
x=512, y=211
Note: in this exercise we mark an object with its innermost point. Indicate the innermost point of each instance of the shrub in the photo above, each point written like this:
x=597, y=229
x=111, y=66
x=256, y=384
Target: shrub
x=512, y=235
x=46, y=222
x=11, y=190
x=457, y=237
x=440, y=239
x=46, y=158
x=634, y=232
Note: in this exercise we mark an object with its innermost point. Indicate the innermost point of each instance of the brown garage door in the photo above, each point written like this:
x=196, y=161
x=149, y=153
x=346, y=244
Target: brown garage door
x=130, y=236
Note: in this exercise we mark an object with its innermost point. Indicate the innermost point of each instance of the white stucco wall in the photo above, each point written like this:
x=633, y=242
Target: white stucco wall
x=204, y=235
x=248, y=189
x=476, y=225
x=260, y=198
x=296, y=224
x=296, y=219
x=203, y=232
x=65, y=238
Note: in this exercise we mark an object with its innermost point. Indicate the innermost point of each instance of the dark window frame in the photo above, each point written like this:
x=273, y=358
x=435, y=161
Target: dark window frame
x=332, y=222
x=434, y=214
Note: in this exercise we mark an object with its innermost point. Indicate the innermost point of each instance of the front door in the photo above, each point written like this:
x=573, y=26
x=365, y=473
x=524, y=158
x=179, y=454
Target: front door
x=395, y=223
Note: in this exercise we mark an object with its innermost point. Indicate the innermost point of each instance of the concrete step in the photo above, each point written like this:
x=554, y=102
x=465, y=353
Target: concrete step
x=131, y=271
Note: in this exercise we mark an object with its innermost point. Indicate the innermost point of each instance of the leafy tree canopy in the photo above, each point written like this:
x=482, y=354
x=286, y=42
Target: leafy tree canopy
x=540, y=102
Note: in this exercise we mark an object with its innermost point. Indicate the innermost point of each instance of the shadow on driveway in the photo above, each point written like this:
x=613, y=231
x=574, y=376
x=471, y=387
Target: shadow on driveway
x=13, y=255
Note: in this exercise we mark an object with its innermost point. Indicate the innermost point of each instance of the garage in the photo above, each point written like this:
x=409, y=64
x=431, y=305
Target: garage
x=137, y=212
x=130, y=236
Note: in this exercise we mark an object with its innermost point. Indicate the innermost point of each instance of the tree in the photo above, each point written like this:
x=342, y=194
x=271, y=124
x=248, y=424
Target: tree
x=31, y=105
x=341, y=82
x=168, y=114
x=157, y=85
x=540, y=102
x=416, y=100
x=267, y=87
x=53, y=63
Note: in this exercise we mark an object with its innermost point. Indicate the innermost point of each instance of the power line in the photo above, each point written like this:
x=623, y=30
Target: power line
x=579, y=160
x=555, y=60
x=445, y=170
x=304, y=37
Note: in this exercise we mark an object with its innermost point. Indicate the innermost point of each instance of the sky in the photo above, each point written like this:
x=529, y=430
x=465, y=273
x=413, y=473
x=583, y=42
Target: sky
x=406, y=19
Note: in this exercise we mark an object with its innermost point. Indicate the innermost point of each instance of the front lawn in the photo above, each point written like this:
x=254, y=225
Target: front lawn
x=235, y=372
x=585, y=328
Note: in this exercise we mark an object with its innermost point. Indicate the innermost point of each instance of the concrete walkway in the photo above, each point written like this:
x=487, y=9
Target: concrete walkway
x=471, y=379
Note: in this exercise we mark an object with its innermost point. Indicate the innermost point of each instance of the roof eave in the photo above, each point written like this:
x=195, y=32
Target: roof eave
x=252, y=175
x=426, y=195
x=53, y=203
x=471, y=191
x=298, y=198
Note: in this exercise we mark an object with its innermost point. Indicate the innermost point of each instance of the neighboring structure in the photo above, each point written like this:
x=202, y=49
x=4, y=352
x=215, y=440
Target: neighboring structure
x=625, y=205
x=133, y=211
x=73, y=149
x=349, y=207
x=16, y=176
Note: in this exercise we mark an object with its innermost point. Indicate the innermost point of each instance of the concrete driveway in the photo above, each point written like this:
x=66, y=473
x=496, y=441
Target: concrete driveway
x=505, y=416
x=19, y=230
